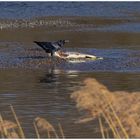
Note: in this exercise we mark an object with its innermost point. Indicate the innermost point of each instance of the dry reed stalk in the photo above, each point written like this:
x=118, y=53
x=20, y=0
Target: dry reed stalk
x=84, y=120
x=105, y=108
x=36, y=130
x=119, y=122
x=94, y=96
x=48, y=133
x=18, y=123
x=107, y=133
x=61, y=130
x=56, y=135
x=44, y=125
x=111, y=125
x=107, y=116
x=101, y=127
x=3, y=129
x=115, y=115
x=110, y=119
x=108, y=102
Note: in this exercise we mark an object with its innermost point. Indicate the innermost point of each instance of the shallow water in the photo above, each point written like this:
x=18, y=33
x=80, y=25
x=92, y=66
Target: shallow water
x=99, y=9
x=36, y=86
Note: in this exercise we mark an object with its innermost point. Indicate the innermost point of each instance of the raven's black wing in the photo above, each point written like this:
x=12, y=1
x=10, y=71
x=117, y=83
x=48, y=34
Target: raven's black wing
x=47, y=46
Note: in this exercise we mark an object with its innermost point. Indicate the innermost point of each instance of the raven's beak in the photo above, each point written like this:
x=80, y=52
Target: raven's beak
x=67, y=41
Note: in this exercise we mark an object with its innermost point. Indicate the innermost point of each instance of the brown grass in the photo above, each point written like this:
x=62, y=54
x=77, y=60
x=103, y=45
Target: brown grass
x=120, y=110
x=9, y=129
x=44, y=126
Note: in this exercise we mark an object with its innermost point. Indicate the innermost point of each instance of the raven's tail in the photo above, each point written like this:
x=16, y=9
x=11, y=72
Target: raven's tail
x=45, y=46
x=40, y=45
x=36, y=42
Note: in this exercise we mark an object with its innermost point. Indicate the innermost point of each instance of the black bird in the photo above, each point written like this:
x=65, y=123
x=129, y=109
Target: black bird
x=51, y=47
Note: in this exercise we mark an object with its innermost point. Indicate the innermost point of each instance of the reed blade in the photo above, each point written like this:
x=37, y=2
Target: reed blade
x=18, y=123
x=36, y=130
x=48, y=133
x=101, y=127
x=4, y=130
x=61, y=130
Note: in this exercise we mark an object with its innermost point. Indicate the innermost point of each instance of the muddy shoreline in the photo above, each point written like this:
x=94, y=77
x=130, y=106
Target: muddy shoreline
x=88, y=32
x=62, y=21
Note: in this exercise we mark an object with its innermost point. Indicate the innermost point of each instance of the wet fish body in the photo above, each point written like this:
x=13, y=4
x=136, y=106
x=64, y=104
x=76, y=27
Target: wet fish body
x=76, y=57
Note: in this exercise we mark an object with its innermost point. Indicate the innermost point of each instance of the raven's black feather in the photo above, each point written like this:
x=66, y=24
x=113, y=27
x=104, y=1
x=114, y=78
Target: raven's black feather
x=51, y=47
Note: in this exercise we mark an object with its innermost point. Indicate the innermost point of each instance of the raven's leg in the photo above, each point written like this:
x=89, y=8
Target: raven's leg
x=52, y=55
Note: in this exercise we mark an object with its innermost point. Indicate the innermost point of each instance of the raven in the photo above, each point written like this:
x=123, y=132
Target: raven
x=51, y=47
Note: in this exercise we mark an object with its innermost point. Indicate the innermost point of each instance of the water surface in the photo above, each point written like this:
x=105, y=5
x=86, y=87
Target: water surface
x=37, y=87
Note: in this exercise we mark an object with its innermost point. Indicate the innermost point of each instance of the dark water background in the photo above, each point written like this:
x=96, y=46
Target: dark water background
x=107, y=29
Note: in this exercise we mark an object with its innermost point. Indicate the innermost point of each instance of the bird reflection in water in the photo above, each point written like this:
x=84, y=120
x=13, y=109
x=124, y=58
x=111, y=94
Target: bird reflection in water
x=51, y=75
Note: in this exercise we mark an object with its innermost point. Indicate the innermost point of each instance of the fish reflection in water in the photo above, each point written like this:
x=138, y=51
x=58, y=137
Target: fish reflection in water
x=54, y=74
